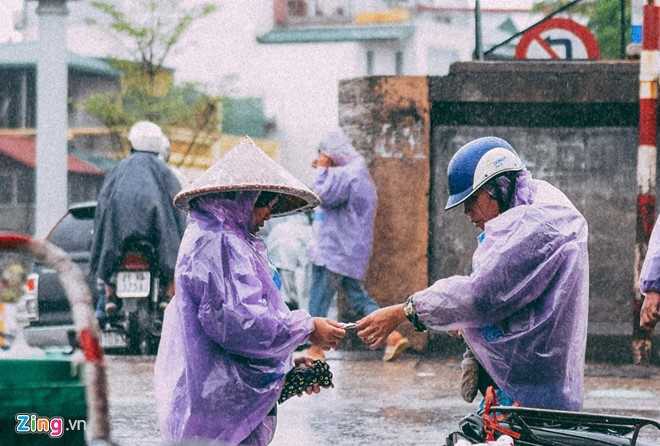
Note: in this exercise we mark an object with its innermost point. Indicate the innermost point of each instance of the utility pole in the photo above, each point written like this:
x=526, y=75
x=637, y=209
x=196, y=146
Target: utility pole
x=646, y=167
x=52, y=116
x=478, y=43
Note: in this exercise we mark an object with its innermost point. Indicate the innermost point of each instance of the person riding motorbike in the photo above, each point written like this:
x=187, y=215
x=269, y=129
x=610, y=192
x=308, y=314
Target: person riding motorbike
x=523, y=308
x=135, y=204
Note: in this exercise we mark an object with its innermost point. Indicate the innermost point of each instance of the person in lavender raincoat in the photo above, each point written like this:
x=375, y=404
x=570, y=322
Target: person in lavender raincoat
x=523, y=308
x=228, y=337
x=649, y=282
x=343, y=232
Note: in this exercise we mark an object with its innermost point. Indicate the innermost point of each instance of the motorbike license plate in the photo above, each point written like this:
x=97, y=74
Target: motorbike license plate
x=133, y=284
x=112, y=339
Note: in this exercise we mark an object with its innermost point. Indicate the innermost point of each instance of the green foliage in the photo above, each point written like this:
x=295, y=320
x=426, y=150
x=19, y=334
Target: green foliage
x=180, y=107
x=604, y=21
x=150, y=30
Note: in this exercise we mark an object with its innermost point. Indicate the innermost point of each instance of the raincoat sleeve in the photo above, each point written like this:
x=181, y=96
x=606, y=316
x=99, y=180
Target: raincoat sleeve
x=513, y=266
x=236, y=311
x=650, y=275
x=333, y=186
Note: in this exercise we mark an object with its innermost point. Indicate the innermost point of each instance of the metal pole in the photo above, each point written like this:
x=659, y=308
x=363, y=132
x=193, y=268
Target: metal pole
x=52, y=116
x=622, y=33
x=646, y=167
x=478, y=47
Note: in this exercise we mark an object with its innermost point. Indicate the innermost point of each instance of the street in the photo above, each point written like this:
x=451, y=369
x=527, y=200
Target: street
x=413, y=401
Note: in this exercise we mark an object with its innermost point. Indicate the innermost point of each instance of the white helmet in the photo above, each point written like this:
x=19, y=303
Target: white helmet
x=164, y=153
x=146, y=137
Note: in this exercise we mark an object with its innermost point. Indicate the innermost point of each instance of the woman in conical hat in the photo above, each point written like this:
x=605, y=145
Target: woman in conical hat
x=228, y=336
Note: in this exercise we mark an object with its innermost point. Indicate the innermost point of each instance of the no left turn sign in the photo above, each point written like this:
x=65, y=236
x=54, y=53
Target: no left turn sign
x=558, y=39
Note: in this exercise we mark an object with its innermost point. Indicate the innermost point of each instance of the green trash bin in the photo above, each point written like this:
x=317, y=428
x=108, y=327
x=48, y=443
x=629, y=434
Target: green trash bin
x=42, y=402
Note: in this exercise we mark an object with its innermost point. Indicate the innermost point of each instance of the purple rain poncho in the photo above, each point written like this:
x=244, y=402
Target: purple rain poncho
x=228, y=337
x=523, y=309
x=344, y=223
x=649, y=279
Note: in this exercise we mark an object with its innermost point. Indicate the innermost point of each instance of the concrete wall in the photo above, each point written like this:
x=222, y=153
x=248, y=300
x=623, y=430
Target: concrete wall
x=594, y=167
x=575, y=125
x=389, y=122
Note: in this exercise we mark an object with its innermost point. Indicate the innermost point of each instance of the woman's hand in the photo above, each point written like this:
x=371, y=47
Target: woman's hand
x=374, y=328
x=327, y=333
x=309, y=363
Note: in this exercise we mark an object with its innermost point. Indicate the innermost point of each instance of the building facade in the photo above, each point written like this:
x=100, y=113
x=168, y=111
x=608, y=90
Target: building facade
x=18, y=99
x=292, y=53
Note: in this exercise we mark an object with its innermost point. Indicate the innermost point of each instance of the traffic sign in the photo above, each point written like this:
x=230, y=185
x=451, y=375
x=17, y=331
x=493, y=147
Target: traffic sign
x=558, y=39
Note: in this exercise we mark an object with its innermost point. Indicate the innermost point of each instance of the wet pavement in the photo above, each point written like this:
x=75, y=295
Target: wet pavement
x=413, y=401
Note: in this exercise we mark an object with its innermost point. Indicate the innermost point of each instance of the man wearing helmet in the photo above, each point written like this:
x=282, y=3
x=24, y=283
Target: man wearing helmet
x=135, y=203
x=523, y=308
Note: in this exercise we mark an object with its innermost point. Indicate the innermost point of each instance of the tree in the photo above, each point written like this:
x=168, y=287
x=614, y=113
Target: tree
x=150, y=30
x=604, y=21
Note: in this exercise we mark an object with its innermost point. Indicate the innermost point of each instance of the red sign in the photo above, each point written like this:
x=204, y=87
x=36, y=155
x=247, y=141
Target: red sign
x=558, y=39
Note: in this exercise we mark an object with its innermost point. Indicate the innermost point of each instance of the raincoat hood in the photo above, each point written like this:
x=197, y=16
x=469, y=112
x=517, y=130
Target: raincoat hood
x=233, y=213
x=338, y=147
x=247, y=168
x=523, y=308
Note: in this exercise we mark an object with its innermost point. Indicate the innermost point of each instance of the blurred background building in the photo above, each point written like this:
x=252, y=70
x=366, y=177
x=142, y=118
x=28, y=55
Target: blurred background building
x=283, y=59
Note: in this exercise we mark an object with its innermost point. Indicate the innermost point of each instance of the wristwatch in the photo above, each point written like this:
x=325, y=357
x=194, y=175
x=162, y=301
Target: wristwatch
x=411, y=315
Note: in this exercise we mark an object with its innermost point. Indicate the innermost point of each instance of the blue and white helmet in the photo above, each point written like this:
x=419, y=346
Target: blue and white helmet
x=477, y=162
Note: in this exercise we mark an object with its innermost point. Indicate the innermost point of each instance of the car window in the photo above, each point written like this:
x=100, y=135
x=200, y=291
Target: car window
x=73, y=233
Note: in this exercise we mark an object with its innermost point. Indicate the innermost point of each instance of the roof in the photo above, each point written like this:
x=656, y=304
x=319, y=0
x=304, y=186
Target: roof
x=22, y=150
x=337, y=34
x=25, y=55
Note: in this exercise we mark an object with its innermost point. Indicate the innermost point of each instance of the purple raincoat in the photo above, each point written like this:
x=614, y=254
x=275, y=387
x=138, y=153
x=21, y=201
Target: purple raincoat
x=344, y=223
x=523, y=309
x=649, y=279
x=228, y=337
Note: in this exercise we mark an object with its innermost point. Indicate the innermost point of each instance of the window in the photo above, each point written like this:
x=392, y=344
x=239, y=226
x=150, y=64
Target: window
x=6, y=189
x=370, y=62
x=297, y=8
x=398, y=63
x=17, y=99
x=25, y=188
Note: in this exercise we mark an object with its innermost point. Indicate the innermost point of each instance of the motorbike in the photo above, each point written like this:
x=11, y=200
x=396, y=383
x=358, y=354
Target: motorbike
x=140, y=298
x=523, y=426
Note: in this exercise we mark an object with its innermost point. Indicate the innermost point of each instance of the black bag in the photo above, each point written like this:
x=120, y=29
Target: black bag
x=301, y=377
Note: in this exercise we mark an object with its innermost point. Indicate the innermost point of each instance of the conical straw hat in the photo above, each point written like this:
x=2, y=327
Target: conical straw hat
x=247, y=168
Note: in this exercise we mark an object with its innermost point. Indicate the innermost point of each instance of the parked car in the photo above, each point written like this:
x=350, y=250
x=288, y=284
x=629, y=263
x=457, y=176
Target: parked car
x=51, y=323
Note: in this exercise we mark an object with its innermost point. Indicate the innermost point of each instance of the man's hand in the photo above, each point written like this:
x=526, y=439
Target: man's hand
x=650, y=313
x=327, y=333
x=374, y=328
x=309, y=363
